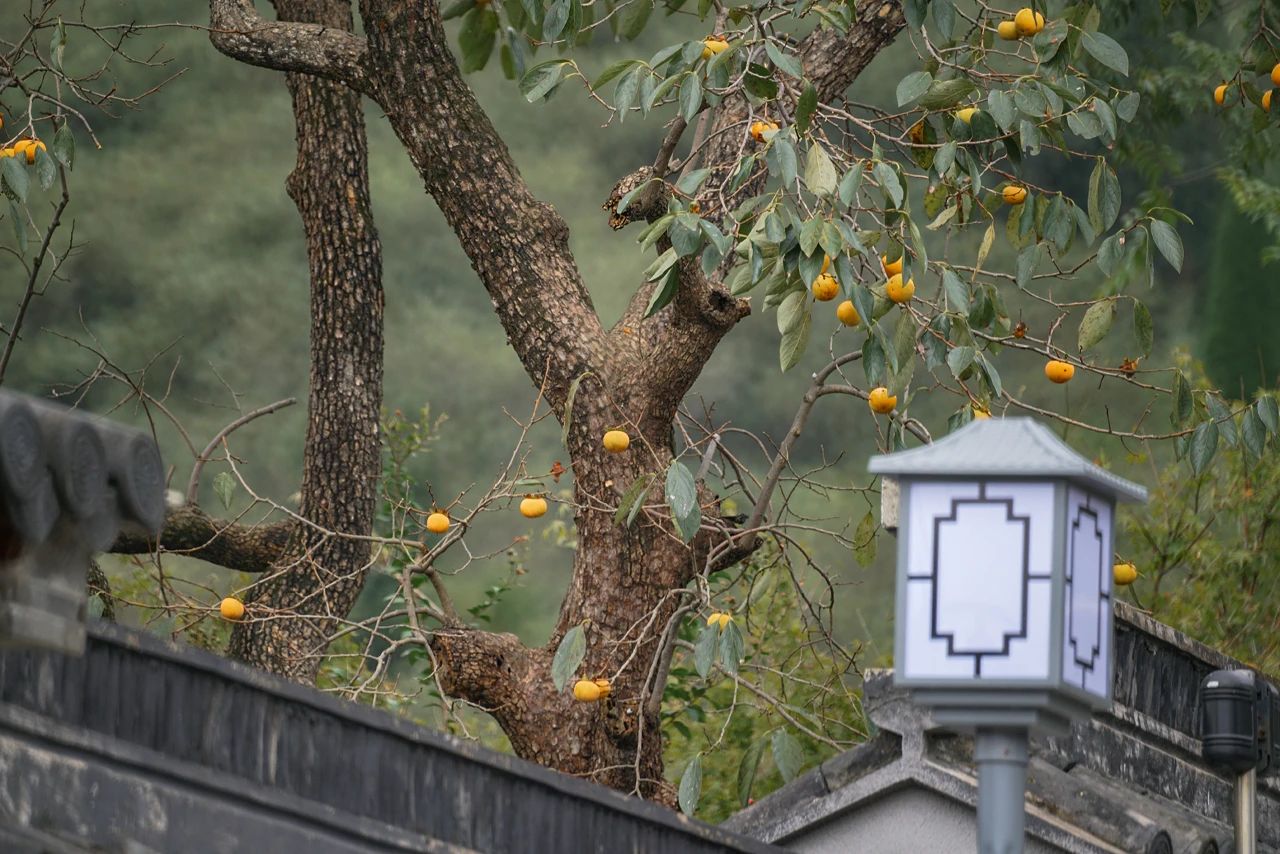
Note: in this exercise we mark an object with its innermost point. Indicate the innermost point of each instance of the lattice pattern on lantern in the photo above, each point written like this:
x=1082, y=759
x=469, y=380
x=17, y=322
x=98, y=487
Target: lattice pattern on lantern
x=1003, y=609
x=979, y=580
x=1086, y=602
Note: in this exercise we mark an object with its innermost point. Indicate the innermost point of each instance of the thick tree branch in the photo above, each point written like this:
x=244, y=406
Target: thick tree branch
x=833, y=60
x=486, y=669
x=239, y=31
x=518, y=245
x=675, y=343
x=190, y=532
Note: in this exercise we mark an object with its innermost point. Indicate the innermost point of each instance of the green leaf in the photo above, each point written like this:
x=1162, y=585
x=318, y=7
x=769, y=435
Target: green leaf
x=690, y=183
x=64, y=146
x=1106, y=116
x=1000, y=103
x=634, y=17
x=1096, y=323
x=690, y=97
x=224, y=486
x=457, y=9
x=682, y=498
x=1143, y=330
x=1182, y=402
x=945, y=157
x=541, y=79
x=1107, y=51
x=1025, y=267
x=690, y=786
x=784, y=153
x=873, y=359
x=732, y=647
x=888, y=180
x=632, y=500
x=59, y=44
x=15, y=177
x=960, y=358
x=1104, y=197
x=664, y=293
x=1255, y=433
x=793, y=308
x=626, y=92
x=864, y=540
x=795, y=340
x=19, y=226
x=568, y=406
x=984, y=249
x=704, y=651
x=568, y=657
x=1168, y=242
x=760, y=82
x=805, y=108
x=956, y=291
x=788, y=755
x=1269, y=412
x=747, y=769
x=820, y=174
x=479, y=32
x=944, y=14
x=947, y=93
x=943, y=218
x=913, y=86
x=613, y=72
x=784, y=61
x=1109, y=254
x=1204, y=444
x=46, y=171
x=850, y=184
x=992, y=375
x=554, y=22
x=1127, y=107
x=1221, y=415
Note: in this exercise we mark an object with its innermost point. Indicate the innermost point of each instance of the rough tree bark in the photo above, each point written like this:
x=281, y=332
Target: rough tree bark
x=315, y=572
x=625, y=582
x=322, y=572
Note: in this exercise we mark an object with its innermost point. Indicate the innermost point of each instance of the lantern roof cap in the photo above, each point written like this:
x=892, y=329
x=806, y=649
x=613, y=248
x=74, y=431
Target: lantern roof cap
x=1005, y=447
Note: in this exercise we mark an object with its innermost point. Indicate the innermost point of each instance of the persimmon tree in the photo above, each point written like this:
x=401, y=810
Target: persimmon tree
x=769, y=172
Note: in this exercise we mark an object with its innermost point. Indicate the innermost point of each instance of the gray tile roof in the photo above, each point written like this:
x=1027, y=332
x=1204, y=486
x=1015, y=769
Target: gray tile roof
x=1014, y=447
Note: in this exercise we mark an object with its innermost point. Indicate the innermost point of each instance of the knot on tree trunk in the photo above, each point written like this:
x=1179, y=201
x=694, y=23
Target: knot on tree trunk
x=648, y=204
x=722, y=309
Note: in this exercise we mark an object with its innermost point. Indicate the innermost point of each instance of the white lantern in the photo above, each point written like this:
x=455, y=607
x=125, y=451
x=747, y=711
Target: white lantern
x=1004, y=594
x=1004, y=576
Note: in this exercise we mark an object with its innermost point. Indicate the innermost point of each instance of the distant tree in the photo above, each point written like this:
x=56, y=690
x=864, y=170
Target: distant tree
x=1241, y=351
x=1207, y=545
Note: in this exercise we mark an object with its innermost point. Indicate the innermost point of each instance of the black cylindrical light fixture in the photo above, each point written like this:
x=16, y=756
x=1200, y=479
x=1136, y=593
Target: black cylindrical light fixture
x=1229, y=720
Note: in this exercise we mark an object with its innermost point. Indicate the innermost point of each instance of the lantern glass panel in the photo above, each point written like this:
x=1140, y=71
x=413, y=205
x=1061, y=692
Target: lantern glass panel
x=1086, y=604
x=978, y=583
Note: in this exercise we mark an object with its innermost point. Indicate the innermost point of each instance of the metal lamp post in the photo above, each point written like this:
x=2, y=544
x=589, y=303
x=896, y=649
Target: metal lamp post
x=1003, y=616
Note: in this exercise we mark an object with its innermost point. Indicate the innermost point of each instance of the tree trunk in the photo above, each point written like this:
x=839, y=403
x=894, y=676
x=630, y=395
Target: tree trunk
x=321, y=574
x=628, y=582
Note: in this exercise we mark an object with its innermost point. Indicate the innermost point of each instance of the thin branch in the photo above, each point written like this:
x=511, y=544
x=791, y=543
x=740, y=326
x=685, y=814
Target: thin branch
x=193, y=483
